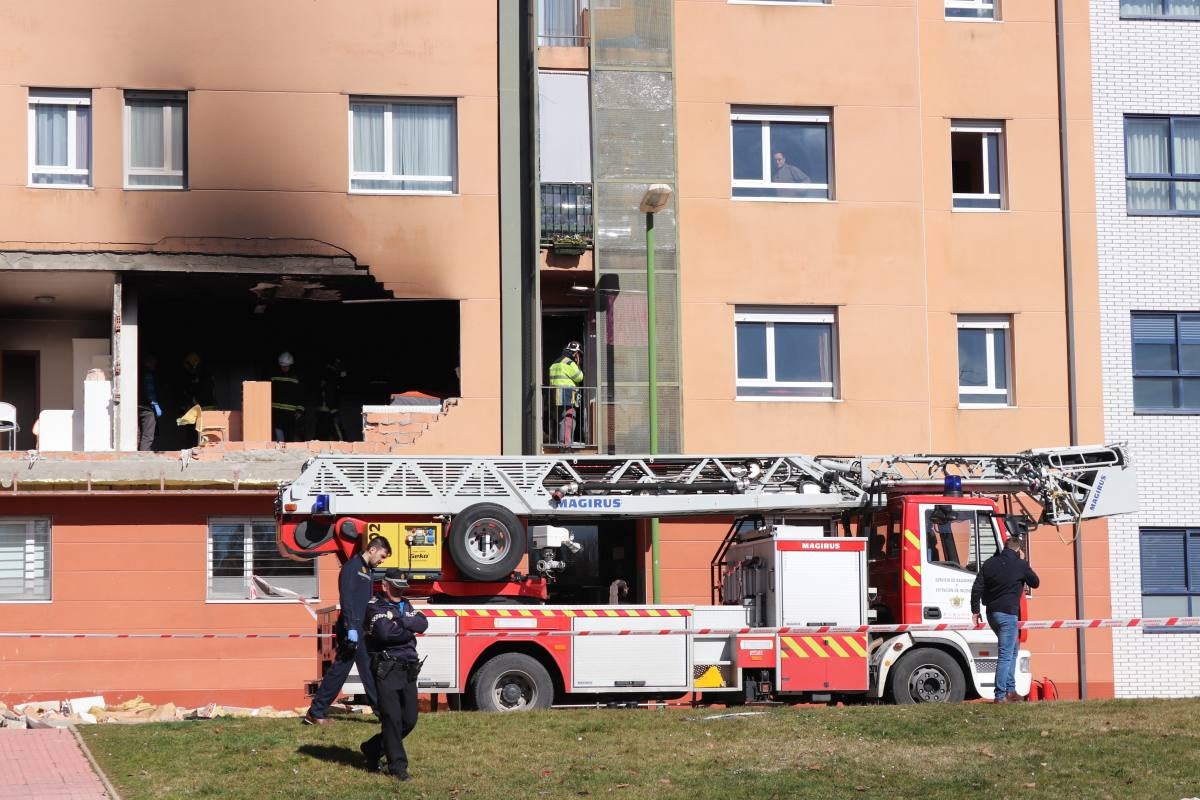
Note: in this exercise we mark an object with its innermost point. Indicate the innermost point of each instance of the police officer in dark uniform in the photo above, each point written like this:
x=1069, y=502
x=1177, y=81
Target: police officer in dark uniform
x=392, y=626
x=354, y=593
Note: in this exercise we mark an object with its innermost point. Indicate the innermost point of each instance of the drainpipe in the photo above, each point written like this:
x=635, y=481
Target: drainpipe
x=1069, y=288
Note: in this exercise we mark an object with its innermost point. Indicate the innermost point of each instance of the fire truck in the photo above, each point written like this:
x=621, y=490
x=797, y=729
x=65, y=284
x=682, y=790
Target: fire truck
x=816, y=542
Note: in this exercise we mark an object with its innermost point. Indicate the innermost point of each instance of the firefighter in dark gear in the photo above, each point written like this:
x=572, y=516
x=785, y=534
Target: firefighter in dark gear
x=565, y=376
x=392, y=627
x=287, y=402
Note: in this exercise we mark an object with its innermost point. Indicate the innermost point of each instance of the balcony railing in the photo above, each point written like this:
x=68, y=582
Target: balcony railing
x=561, y=23
x=566, y=210
x=573, y=431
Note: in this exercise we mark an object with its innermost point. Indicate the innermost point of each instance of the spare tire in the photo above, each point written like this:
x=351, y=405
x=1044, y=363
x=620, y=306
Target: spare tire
x=487, y=542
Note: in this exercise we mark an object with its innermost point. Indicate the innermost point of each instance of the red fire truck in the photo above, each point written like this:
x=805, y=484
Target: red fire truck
x=817, y=542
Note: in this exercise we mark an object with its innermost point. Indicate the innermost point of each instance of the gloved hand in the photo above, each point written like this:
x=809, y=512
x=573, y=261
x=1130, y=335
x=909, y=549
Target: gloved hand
x=157, y=409
x=352, y=635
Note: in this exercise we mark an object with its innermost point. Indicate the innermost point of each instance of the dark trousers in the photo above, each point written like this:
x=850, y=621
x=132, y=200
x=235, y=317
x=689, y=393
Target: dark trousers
x=331, y=684
x=285, y=425
x=147, y=424
x=398, y=715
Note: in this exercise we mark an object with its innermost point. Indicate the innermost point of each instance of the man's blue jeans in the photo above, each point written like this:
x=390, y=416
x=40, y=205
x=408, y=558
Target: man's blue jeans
x=1005, y=628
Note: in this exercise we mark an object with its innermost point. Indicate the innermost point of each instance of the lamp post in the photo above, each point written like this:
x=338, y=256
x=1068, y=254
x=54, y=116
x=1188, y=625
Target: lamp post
x=654, y=200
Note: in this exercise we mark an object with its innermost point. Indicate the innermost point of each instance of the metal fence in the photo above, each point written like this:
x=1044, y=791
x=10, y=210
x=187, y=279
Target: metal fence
x=561, y=23
x=566, y=210
x=557, y=432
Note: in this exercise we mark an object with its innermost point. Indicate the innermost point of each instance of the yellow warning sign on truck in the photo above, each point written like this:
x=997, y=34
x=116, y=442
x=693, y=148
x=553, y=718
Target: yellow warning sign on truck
x=416, y=547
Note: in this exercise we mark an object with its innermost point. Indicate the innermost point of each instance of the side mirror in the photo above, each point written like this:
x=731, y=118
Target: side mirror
x=350, y=528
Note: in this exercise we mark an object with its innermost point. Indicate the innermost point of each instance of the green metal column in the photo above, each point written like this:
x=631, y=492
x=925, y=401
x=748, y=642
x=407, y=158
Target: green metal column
x=509, y=19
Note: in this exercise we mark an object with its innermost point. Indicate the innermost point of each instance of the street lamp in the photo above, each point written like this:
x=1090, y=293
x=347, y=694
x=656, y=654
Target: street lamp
x=654, y=200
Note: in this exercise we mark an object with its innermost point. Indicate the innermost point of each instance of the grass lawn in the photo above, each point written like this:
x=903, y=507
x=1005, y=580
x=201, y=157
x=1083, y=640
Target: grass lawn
x=1117, y=749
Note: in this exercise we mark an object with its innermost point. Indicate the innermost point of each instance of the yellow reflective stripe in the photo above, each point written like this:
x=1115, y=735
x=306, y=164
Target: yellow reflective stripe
x=832, y=643
x=794, y=647
x=609, y=613
x=674, y=613
x=912, y=539
x=525, y=612
x=482, y=612
x=587, y=612
x=653, y=612
x=504, y=612
x=917, y=568
x=462, y=612
x=816, y=648
x=855, y=646
x=569, y=613
x=910, y=580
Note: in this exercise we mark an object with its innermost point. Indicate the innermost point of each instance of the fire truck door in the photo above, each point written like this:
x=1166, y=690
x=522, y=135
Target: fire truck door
x=956, y=541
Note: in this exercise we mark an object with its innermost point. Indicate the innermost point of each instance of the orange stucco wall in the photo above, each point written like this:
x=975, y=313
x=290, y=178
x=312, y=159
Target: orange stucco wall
x=138, y=565
x=889, y=252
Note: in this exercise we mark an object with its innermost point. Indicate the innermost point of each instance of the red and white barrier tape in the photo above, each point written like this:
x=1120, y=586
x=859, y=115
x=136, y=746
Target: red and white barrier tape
x=791, y=630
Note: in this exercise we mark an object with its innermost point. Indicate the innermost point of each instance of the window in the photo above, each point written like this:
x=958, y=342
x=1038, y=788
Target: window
x=1166, y=362
x=781, y=153
x=60, y=138
x=1162, y=165
x=977, y=164
x=1170, y=574
x=972, y=9
x=984, y=361
x=155, y=140
x=1159, y=9
x=238, y=549
x=959, y=537
x=785, y=354
x=402, y=147
x=24, y=559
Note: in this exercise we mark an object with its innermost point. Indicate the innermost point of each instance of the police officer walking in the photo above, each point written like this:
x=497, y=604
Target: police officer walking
x=392, y=627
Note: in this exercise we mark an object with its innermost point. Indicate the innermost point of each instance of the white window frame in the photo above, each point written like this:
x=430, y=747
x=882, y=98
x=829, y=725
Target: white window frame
x=991, y=324
x=999, y=193
x=771, y=315
x=247, y=524
x=766, y=116
x=30, y=552
x=451, y=180
x=177, y=162
x=974, y=5
x=72, y=100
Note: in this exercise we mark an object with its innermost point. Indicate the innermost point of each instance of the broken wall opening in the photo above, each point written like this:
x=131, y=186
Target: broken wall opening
x=353, y=345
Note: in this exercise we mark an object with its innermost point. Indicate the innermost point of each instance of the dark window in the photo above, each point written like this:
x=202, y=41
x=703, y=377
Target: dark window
x=1171, y=574
x=1166, y=362
x=1160, y=9
x=976, y=164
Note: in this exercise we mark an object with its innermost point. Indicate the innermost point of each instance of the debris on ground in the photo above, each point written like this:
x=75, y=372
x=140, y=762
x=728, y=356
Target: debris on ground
x=94, y=710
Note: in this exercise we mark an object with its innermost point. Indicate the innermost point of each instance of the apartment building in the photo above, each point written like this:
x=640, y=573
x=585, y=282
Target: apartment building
x=860, y=249
x=865, y=249
x=1147, y=109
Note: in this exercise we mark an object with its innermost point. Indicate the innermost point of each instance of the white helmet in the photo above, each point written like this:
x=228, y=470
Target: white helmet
x=285, y=359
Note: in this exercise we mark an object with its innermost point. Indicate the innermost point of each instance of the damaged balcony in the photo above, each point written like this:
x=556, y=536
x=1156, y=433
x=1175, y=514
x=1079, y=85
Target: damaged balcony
x=185, y=352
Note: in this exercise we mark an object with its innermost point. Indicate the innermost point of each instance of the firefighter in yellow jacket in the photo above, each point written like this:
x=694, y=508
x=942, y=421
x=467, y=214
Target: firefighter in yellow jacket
x=565, y=378
x=287, y=402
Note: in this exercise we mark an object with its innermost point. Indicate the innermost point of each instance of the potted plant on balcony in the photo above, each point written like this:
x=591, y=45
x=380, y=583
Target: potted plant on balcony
x=569, y=244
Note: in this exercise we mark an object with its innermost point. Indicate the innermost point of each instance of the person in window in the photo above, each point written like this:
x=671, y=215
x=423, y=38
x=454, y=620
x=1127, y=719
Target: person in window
x=999, y=585
x=788, y=173
x=287, y=402
x=148, y=408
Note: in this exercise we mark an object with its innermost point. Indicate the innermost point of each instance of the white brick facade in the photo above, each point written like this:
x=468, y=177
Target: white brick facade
x=1146, y=264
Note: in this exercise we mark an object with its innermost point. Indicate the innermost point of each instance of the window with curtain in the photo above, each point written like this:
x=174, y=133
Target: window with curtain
x=781, y=153
x=785, y=353
x=984, y=361
x=1160, y=9
x=1166, y=362
x=977, y=164
x=1162, y=165
x=24, y=560
x=1170, y=562
x=402, y=146
x=155, y=140
x=972, y=9
x=60, y=138
x=241, y=548
x=560, y=23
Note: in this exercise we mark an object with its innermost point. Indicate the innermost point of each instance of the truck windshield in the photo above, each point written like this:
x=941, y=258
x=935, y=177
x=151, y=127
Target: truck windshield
x=962, y=538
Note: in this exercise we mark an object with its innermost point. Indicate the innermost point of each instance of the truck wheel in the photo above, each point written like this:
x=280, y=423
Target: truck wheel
x=512, y=682
x=487, y=542
x=927, y=675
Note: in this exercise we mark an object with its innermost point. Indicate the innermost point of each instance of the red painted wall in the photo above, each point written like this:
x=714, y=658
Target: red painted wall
x=133, y=565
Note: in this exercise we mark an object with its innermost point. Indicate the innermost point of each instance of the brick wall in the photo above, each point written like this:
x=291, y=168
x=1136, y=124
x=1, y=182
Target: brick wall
x=1146, y=263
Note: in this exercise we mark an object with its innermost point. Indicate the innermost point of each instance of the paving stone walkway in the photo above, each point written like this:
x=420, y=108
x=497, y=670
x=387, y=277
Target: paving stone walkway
x=46, y=765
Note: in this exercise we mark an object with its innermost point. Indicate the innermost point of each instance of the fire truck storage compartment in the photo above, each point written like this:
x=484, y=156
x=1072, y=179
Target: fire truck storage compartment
x=631, y=663
x=714, y=656
x=441, y=655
